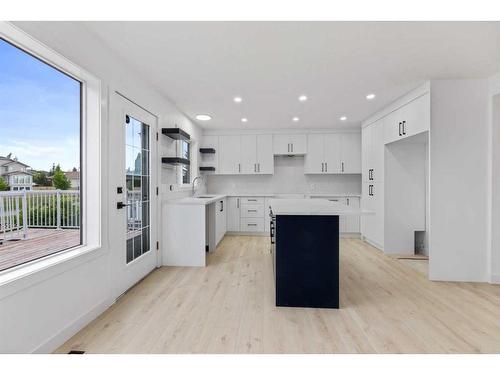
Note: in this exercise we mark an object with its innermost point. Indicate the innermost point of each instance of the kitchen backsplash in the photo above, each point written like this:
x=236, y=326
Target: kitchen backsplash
x=288, y=178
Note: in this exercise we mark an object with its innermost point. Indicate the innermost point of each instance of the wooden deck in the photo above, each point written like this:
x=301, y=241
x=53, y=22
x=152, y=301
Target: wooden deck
x=40, y=242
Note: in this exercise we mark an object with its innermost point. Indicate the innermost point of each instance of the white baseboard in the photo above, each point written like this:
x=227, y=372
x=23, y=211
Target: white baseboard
x=495, y=278
x=71, y=329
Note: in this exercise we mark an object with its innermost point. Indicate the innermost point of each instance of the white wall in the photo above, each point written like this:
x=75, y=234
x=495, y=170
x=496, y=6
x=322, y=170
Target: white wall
x=459, y=180
x=288, y=178
x=495, y=178
x=46, y=308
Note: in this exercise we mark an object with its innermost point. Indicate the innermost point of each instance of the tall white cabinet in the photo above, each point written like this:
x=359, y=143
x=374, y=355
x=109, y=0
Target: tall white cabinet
x=372, y=226
x=406, y=118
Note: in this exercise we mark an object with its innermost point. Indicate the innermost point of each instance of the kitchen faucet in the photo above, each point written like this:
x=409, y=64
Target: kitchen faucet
x=194, y=180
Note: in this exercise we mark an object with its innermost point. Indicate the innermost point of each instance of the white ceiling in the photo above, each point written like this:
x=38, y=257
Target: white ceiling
x=201, y=66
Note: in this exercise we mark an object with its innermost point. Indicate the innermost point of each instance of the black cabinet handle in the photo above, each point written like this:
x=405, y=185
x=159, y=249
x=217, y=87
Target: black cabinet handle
x=221, y=206
x=120, y=205
x=400, y=130
x=404, y=127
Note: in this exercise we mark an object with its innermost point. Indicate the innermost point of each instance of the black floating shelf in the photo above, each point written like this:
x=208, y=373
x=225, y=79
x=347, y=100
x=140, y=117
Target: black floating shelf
x=176, y=133
x=207, y=150
x=175, y=161
x=207, y=169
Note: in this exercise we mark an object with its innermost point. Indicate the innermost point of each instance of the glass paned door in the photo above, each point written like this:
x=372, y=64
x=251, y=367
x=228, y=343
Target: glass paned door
x=137, y=171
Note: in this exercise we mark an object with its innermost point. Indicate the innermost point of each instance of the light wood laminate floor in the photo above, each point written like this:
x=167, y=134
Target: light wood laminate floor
x=387, y=306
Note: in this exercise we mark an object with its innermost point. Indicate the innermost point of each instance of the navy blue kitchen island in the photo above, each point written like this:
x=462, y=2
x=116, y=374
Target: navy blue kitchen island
x=305, y=249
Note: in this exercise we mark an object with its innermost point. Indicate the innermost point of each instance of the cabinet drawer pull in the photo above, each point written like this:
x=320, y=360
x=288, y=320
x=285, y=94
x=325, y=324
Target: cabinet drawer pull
x=251, y=225
x=251, y=210
x=252, y=200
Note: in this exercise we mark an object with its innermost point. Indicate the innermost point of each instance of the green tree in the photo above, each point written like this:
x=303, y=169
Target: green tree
x=3, y=185
x=40, y=178
x=59, y=180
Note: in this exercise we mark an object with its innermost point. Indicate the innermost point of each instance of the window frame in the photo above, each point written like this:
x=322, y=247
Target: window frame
x=91, y=151
x=190, y=145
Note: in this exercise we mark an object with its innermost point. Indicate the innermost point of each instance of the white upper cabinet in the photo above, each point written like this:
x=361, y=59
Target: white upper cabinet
x=265, y=156
x=411, y=119
x=333, y=153
x=246, y=154
x=229, y=154
x=315, y=157
x=350, y=153
x=289, y=144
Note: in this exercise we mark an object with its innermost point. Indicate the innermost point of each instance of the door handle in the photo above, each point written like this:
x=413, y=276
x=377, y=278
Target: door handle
x=120, y=205
x=239, y=167
x=292, y=147
x=342, y=166
x=322, y=167
x=404, y=127
x=255, y=167
x=288, y=148
x=258, y=167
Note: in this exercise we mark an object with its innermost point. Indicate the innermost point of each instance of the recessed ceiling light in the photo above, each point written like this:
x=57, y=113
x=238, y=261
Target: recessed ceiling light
x=343, y=118
x=203, y=117
x=295, y=119
x=302, y=98
x=244, y=119
x=370, y=96
x=237, y=99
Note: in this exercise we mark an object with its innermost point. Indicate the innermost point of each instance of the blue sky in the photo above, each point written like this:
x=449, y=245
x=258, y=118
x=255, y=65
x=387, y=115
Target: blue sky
x=39, y=111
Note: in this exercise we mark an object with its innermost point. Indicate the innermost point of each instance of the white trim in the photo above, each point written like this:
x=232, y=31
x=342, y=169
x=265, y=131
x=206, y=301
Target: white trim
x=495, y=278
x=71, y=329
x=403, y=100
x=90, y=168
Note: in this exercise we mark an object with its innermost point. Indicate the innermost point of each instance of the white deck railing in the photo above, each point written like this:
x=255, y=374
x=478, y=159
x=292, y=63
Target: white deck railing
x=20, y=210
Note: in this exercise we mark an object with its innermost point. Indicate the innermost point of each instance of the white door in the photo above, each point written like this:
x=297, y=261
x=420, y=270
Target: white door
x=133, y=203
x=333, y=153
x=229, y=154
x=417, y=116
x=298, y=143
x=248, y=154
x=281, y=144
x=315, y=157
x=351, y=153
x=265, y=157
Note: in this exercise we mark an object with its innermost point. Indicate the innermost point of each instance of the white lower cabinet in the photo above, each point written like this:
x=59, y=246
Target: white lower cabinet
x=347, y=224
x=233, y=214
x=220, y=220
x=252, y=224
x=247, y=214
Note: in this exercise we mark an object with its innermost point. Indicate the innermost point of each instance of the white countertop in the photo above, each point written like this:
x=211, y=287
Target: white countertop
x=313, y=207
x=202, y=199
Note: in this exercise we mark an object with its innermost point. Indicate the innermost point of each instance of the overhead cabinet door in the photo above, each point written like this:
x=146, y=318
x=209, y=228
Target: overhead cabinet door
x=315, y=157
x=229, y=155
x=289, y=144
x=411, y=119
x=265, y=156
x=351, y=153
x=248, y=154
x=333, y=153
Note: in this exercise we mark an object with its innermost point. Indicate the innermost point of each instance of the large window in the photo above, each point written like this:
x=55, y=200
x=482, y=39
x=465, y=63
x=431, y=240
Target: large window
x=40, y=143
